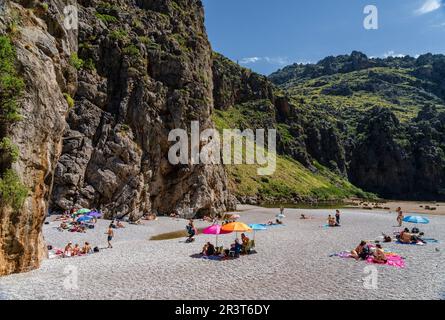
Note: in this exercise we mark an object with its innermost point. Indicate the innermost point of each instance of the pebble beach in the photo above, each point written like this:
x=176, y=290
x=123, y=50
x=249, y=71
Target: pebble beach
x=293, y=261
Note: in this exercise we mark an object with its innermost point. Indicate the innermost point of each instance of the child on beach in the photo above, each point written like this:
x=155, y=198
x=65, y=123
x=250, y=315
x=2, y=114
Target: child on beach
x=110, y=234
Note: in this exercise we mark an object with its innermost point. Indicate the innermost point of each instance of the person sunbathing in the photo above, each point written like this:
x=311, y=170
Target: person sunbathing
x=205, y=248
x=119, y=225
x=332, y=222
x=86, y=249
x=67, y=252
x=76, y=250
x=210, y=249
x=405, y=236
x=360, y=252
x=379, y=255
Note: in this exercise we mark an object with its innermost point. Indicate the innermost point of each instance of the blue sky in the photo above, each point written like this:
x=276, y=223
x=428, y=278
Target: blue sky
x=266, y=35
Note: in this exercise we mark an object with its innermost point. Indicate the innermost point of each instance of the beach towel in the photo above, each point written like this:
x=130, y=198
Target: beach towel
x=393, y=261
x=411, y=244
x=431, y=240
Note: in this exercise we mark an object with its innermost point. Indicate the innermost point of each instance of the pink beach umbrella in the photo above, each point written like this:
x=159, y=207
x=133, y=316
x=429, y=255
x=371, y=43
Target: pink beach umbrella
x=215, y=229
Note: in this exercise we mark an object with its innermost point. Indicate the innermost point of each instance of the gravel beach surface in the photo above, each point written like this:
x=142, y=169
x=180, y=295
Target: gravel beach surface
x=293, y=262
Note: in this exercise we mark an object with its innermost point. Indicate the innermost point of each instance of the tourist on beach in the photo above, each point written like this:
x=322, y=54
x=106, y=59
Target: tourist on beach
x=119, y=225
x=245, y=240
x=236, y=247
x=400, y=216
x=191, y=230
x=67, y=252
x=208, y=249
x=76, y=250
x=361, y=252
x=332, y=222
x=337, y=216
x=281, y=210
x=86, y=249
x=110, y=234
x=379, y=255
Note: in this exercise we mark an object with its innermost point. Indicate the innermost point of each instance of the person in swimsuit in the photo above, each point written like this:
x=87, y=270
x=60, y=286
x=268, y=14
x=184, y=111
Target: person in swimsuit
x=379, y=255
x=86, y=248
x=337, y=217
x=76, y=250
x=357, y=253
x=400, y=216
x=110, y=234
x=68, y=250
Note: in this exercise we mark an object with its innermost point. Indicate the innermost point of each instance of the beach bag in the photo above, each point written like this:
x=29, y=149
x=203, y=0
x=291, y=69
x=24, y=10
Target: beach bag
x=96, y=249
x=90, y=226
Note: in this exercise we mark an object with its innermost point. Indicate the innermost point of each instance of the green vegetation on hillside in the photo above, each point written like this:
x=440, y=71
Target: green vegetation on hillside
x=12, y=191
x=291, y=179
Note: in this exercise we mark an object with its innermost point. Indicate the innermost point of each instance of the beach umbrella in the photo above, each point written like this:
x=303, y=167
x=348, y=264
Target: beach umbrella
x=95, y=214
x=257, y=227
x=416, y=219
x=215, y=229
x=82, y=211
x=236, y=227
x=84, y=218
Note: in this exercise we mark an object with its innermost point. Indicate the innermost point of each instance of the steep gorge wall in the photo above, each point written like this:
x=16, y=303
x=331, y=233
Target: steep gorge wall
x=95, y=123
x=42, y=50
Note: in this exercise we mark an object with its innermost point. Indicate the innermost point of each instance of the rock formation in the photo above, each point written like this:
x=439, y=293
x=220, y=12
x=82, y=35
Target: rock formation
x=98, y=104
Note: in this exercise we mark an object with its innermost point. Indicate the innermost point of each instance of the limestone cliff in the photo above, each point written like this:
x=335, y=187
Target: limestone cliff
x=42, y=49
x=97, y=106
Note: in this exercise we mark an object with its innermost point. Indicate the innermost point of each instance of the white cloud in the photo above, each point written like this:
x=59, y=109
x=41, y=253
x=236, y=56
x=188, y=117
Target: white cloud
x=250, y=60
x=392, y=54
x=429, y=6
x=281, y=61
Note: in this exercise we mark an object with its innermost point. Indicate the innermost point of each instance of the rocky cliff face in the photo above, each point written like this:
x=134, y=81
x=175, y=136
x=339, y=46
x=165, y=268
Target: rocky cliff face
x=42, y=50
x=97, y=108
x=147, y=70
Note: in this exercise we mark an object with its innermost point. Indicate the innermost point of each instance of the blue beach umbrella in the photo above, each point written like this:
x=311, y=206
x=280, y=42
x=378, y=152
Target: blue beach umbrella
x=257, y=227
x=416, y=219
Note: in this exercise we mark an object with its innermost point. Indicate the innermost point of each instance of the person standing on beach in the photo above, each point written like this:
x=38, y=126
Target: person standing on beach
x=399, y=216
x=281, y=210
x=337, y=216
x=110, y=234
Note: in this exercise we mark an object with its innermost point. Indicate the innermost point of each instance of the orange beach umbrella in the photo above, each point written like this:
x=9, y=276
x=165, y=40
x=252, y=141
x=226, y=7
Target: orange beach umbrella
x=236, y=227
